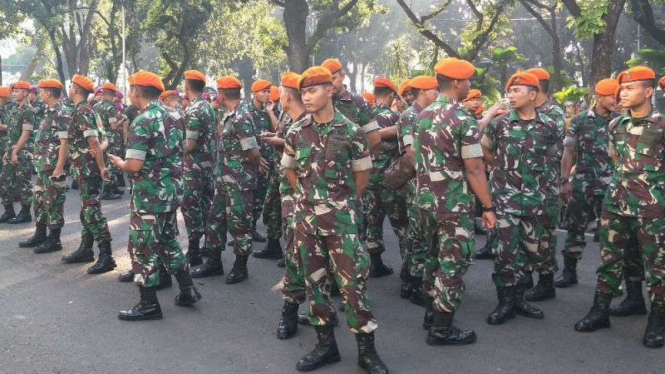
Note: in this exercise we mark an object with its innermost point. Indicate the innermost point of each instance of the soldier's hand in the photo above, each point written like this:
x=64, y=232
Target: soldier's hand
x=92, y=152
x=271, y=105
x=106, y=174
x=14, y=159
x=489, y=220
x=58, y=171
x=566, y=191
x=263, y=166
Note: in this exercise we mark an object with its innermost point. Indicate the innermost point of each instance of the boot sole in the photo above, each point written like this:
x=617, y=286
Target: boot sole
x=235, y=281
x=564, y=285
x=79, y=261
x=603, y=326
x=435, y=342
x=30, y=245
x=102, y=271
x=205, y=274
x=141, y=318
x=532, y=316
x=330, y=360
x=501, y=322
x=653, y=345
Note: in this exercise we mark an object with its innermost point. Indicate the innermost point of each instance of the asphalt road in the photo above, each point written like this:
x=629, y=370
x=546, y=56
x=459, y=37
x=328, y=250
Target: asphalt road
x=54, y=318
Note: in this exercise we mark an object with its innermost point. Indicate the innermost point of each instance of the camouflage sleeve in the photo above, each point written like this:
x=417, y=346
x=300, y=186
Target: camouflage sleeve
x=28, y=120
x=571, y=134
x=113, y=114
x=289, y=154
x=404, y=129
x=138, y=141
x=360, y=158
x=192, y=123
x=489, y=137
x=245, y=130
x=366, y=119
x=63, y=122
x=611, y=148
x=470, y=139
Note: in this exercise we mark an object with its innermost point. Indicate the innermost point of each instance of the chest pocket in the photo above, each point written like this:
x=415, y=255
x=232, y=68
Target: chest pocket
x=509, y=150
x=303, y=161
x=544, y=147
x=337, y=154
x=649, y=148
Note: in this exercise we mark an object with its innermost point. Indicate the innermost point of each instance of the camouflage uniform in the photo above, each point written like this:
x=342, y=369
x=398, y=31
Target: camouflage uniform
x=50, y=195
x=634, y=205
x=522, y=151
x=39, y=108
x=18, y=177
x=4, y=119
x=446, y=134
x=380, y=199
x=109, y=115
x=324, y=157
x=86, y=123
x=156, y=138
x=197, y=167
x=235, y=181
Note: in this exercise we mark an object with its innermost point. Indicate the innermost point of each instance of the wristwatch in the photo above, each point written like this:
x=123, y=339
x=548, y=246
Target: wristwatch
x=489, y=209
x=564, y=180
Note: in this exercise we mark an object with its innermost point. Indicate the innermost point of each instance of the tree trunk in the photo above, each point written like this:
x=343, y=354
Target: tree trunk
x=295, y=22
x=352, y=75
x=603, y=44
x=557, y=56
x=30, y=69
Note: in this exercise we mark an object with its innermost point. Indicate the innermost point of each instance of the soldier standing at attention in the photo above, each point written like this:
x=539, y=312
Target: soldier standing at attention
x=89, y=170
x=112, y=122
x=16, y=170
x=154, y=159
x=518, y=145
x=327, y=162
x=5, y=93
x=634, y=205
x=50, y=154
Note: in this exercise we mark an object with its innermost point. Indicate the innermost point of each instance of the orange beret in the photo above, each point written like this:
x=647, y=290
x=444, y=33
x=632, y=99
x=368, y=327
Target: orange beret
x=479, y=110
x=260, y=85
x=473, y=94
x=109, y=86
x=315, y=76
x=84, y=82
x=195, y=75
x=22, y=85
x=637, y=73
x=541, y=74
x=290, y=79
x=49, y=83
x=146, y=79
x=385, y=82
x=424, y=82
x=228, y=83
x=403, y=87
x=606, y=87
x=332, y=64
x=4, y=92
x=455, y=68
x=164, y=95
x=661, y=83
x=274, y=93
x=369, y=97
x=523, y=78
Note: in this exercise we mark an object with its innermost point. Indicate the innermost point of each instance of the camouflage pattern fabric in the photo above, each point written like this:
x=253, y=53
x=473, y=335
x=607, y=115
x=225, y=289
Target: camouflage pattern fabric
x=272, y=216
x=4, y=119
x=109, y=115
x=261, y=122
x=39, y=108
x=18, y=177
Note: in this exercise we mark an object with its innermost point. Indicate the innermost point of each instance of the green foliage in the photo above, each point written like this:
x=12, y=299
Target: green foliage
x=653, y=58
x=591, y=20
x=507, y=56
x=486, y=83
x=571, y=93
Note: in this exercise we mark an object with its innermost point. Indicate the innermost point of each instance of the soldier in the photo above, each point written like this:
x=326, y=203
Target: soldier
x=518, y=145
x=369, y=97
x=472, y=100
x=585, y=145
x=37, y=105
x=406, y=96
x=327, y=162
x=49, y=156
x=425, y=92
x=547, y=266
x=237, y=163
x=17, y=171
x=170, y=99
x=112, y=121
x=634, y=205
x=154, y=159
x=5, y=94
x=89, y=170
x=448, y=160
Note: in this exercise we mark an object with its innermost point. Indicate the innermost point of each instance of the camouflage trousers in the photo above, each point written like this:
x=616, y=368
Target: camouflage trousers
x=583, y=212
x=49, y=200
x=293, y=281
x=92, y=219
x=272, y=216
x=16, y=178
x=116, y=173
x=617, y=235
x=198, y=191
x=450, y=242
x=517, y=249
x=343, y=256
x=415, y=250
x=378, y=201
x=151, y=243
x=546, y=259
x=259, y=195
x=231, y=212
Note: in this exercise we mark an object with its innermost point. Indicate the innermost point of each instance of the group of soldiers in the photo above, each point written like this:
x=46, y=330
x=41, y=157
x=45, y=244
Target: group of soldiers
x=325, y=168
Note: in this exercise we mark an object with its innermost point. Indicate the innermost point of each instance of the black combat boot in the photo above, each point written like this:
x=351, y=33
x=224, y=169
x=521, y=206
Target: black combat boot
x=38, y=238
x=212, y=266
x=8, y=214
x=52, y=243
x=194, y=253
x=273, y=250
x=120, y=180
x=239, y=271
x=105, y=262
x=165, y=280
x=417, y=292
x=523, y=308
x=405, y=284
x=506, y=308
x=368, y=359
x=633, y=304
x=654, y=335
x=599, y=315
x=324, y=353
x=377, y=268
x=428, y=319
x=569, y=273
x=22, y=217
x=148, y=308
x=544, y=290
x=485, y=253
x=443, y=332
x=84, y=252
x=281, y=263
x=303, y=320
x=75, y=185
x=257, y=237
x=127, y=276
x=288, y=324
x=107, y=192
x=189, y=295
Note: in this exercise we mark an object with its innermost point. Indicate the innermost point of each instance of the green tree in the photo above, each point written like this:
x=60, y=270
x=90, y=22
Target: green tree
x=505, y=58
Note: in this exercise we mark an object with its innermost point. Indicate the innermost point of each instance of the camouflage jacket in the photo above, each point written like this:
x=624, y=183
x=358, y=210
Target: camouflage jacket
x=522, y=150
x=110, y=115
x=262, y=123
x=238, y=136
x=156, y=138
x=637, y=188
x=200, y=121
x=285, y=123
x=131, y=112
x=446, y=134
x=388, y=150
x=20, y=119
x=54, y=127
x=553, y=167
x=325, y=157
x=356, y=109
x=39, y=108
x=85, y=123
x=406, y=126
x=4, y=119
